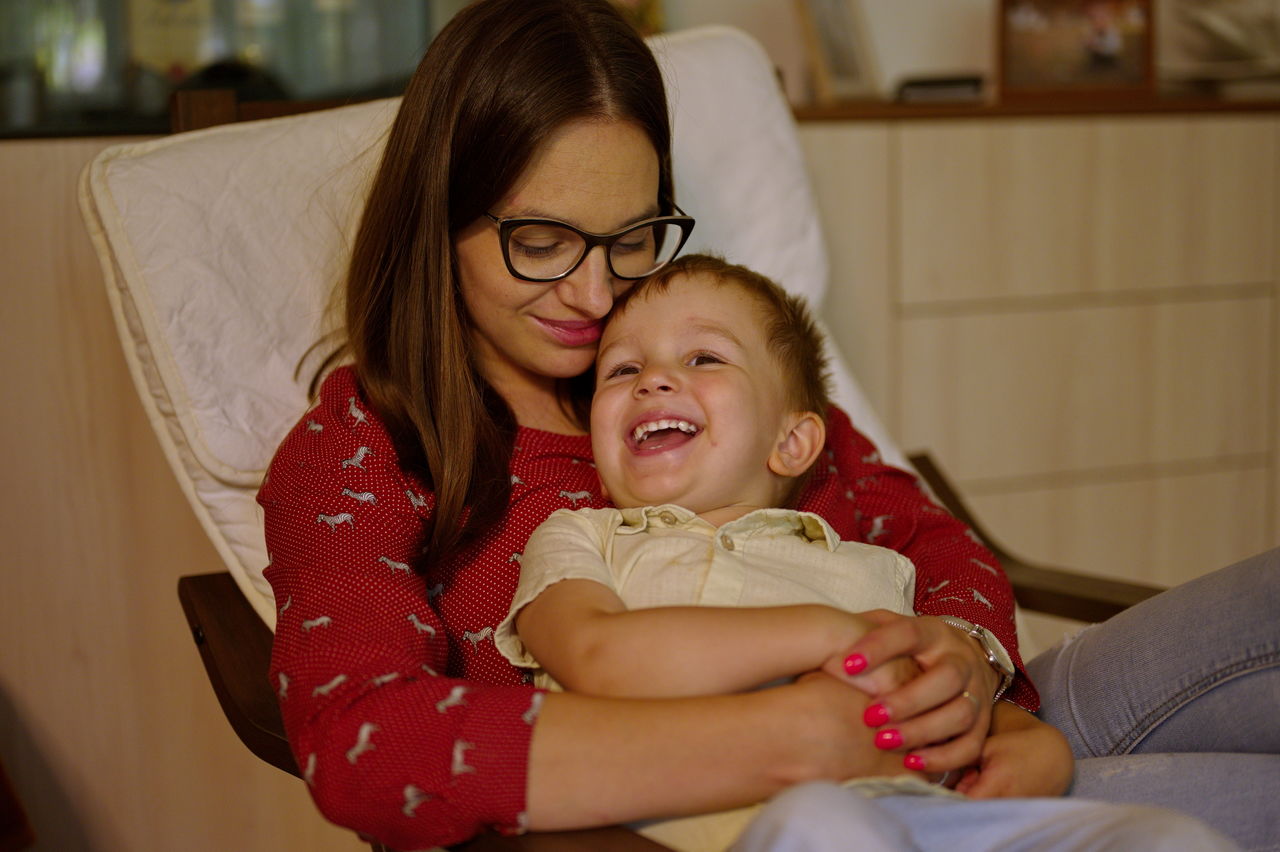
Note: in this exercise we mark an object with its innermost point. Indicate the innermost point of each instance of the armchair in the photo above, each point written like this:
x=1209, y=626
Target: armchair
x=219, y=249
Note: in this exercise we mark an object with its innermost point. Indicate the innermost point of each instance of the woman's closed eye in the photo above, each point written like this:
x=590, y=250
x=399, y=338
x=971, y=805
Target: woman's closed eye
x=538, y=248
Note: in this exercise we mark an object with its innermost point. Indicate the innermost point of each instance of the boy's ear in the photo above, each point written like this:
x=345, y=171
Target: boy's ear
x=801, y=440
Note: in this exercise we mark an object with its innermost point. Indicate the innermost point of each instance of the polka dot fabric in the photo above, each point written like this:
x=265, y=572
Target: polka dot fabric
x=407, y=723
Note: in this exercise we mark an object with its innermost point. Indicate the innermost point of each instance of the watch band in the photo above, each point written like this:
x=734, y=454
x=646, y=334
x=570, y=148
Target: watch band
x=997, y=657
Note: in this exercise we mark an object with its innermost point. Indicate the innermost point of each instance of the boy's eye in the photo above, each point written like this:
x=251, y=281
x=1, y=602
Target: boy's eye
x=622, y=370
x=704, y=358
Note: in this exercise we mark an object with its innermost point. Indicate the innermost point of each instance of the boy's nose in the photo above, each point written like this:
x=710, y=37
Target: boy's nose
x=655, y=381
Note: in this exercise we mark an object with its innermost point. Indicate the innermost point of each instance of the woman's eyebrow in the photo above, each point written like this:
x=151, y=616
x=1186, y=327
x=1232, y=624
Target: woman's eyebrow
x=537, y=213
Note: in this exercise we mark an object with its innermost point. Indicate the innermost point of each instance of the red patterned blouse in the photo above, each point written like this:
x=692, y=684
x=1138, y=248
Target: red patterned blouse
x=408, y=725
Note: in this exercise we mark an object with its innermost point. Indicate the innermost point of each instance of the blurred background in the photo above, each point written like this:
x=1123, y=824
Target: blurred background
x=82, y=67
x=1074, y=307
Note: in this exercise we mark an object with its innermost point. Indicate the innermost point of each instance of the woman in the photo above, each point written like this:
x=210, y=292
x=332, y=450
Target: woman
x=396, y=509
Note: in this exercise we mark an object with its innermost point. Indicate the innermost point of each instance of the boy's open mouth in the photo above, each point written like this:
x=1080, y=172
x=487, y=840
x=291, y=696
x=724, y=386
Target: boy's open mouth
x=662, y=434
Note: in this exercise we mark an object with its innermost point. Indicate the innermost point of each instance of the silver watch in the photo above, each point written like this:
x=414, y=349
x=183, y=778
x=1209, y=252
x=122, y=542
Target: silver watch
x=997, y=657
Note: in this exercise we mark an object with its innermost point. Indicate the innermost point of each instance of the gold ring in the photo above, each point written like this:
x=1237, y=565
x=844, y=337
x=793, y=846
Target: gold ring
x=969, y=695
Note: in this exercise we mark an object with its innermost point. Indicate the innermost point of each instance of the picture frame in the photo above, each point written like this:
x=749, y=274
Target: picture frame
x=842, y=64
x=1075, y=50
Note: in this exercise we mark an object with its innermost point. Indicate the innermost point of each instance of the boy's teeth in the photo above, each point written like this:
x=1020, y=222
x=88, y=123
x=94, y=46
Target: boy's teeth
x=643, y=431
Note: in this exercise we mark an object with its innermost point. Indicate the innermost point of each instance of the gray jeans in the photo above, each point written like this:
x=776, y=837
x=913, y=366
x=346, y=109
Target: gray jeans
x=824, y=817
x=1176, y=702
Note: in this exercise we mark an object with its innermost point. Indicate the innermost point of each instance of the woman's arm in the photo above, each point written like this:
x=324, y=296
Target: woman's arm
x=866, y=500
x=388, y=745
x=584, y=636
x=693, y=755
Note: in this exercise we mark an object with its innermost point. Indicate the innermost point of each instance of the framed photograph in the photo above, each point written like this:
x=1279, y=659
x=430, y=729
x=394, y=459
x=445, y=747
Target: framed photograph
x=842, y=66
x=1074, y=50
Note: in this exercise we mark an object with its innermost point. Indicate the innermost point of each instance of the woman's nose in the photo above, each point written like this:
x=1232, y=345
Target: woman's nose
x=590, y=288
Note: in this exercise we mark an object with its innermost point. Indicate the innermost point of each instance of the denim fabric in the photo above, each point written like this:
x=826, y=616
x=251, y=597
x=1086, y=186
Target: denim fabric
x=823, y=817
x=1176, y=702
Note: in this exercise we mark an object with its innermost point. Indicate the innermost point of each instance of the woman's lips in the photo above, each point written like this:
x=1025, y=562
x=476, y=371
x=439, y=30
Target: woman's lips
x=573, y=332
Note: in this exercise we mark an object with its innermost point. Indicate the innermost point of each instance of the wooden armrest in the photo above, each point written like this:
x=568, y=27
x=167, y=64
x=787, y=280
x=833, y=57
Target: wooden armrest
x=1067, y=594
x=610, y=839
x=236, y=649
x=235, y=646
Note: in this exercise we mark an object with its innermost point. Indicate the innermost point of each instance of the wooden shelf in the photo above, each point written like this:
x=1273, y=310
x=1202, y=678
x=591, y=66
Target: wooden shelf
x=876, y=110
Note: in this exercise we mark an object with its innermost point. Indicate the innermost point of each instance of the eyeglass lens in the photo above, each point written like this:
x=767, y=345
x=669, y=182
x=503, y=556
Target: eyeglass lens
x=546, y=251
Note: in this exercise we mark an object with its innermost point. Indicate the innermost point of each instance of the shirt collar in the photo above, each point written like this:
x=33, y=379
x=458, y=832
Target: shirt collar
x=807, y=525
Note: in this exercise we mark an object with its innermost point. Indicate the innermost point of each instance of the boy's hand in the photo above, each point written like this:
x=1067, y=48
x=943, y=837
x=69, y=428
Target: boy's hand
x=878, y=681
x=1022, y=757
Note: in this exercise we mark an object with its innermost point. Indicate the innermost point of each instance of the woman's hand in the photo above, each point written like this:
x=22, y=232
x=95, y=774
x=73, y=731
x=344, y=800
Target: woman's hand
x=828, y=728
x=1022, y=757
x=940, y=717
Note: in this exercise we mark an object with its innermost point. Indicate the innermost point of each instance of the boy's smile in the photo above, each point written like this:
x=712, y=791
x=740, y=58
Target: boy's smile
x=659, y=432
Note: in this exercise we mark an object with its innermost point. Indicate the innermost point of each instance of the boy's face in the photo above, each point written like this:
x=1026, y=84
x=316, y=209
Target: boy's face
x=689, y=402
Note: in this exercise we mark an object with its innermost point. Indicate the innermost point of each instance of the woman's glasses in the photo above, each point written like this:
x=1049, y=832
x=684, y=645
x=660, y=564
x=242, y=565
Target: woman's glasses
x=542, y=250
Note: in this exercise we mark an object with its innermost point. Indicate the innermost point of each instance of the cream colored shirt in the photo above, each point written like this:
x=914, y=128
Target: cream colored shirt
x=667, y=556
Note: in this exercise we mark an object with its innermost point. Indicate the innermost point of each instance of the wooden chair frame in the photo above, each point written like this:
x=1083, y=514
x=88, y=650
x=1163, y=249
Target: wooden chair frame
x=235, y=645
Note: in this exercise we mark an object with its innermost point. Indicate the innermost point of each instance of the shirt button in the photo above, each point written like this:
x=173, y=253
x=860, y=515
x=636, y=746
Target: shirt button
x=726, y=542
x=667, y=518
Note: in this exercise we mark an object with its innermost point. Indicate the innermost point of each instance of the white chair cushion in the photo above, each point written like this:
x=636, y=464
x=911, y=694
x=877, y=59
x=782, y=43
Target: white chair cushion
x=222, y=247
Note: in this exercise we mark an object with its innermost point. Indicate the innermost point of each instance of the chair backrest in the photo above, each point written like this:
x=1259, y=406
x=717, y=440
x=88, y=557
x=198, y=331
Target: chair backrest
x=221, y=249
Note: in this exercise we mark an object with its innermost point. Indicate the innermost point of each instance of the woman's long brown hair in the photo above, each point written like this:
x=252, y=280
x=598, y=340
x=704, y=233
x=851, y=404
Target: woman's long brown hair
x=493, y=86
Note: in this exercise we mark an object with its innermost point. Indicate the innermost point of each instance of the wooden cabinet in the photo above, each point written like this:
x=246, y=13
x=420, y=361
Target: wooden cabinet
x=1077, y=315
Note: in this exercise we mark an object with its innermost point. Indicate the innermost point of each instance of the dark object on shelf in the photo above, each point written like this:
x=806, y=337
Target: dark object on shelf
x=249, y=82
x=962, y=88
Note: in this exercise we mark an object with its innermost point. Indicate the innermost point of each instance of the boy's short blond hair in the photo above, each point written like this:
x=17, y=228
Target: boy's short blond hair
x=794, y=340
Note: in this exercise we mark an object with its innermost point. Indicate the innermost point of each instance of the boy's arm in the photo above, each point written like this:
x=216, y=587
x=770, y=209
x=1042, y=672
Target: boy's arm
x=585, y=637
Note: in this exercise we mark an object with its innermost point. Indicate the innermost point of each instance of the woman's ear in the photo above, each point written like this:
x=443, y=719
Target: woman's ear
x=801, y=440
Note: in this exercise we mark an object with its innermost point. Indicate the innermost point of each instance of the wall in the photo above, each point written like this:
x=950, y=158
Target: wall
x=1077, y=317
x=108, y=728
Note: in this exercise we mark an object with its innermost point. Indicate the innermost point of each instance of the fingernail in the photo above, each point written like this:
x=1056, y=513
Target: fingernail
x=889, y=739
x=854, y=663
x=875, y=716
x=914, y=762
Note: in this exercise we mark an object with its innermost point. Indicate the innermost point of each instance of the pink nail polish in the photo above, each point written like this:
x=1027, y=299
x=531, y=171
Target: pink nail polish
x=875, y=716
x=854, y=663
x=914, y=762
x=887, y=740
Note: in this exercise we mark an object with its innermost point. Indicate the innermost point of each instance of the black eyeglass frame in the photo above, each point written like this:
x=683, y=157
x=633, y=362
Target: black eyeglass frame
x=683, y=221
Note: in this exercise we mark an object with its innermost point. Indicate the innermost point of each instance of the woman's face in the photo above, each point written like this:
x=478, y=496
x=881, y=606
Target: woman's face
x=597, y=175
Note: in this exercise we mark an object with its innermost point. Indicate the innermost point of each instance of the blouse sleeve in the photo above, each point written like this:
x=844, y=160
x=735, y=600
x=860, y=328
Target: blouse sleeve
x=387, y=745
x=867, y=500
x=569, y=545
